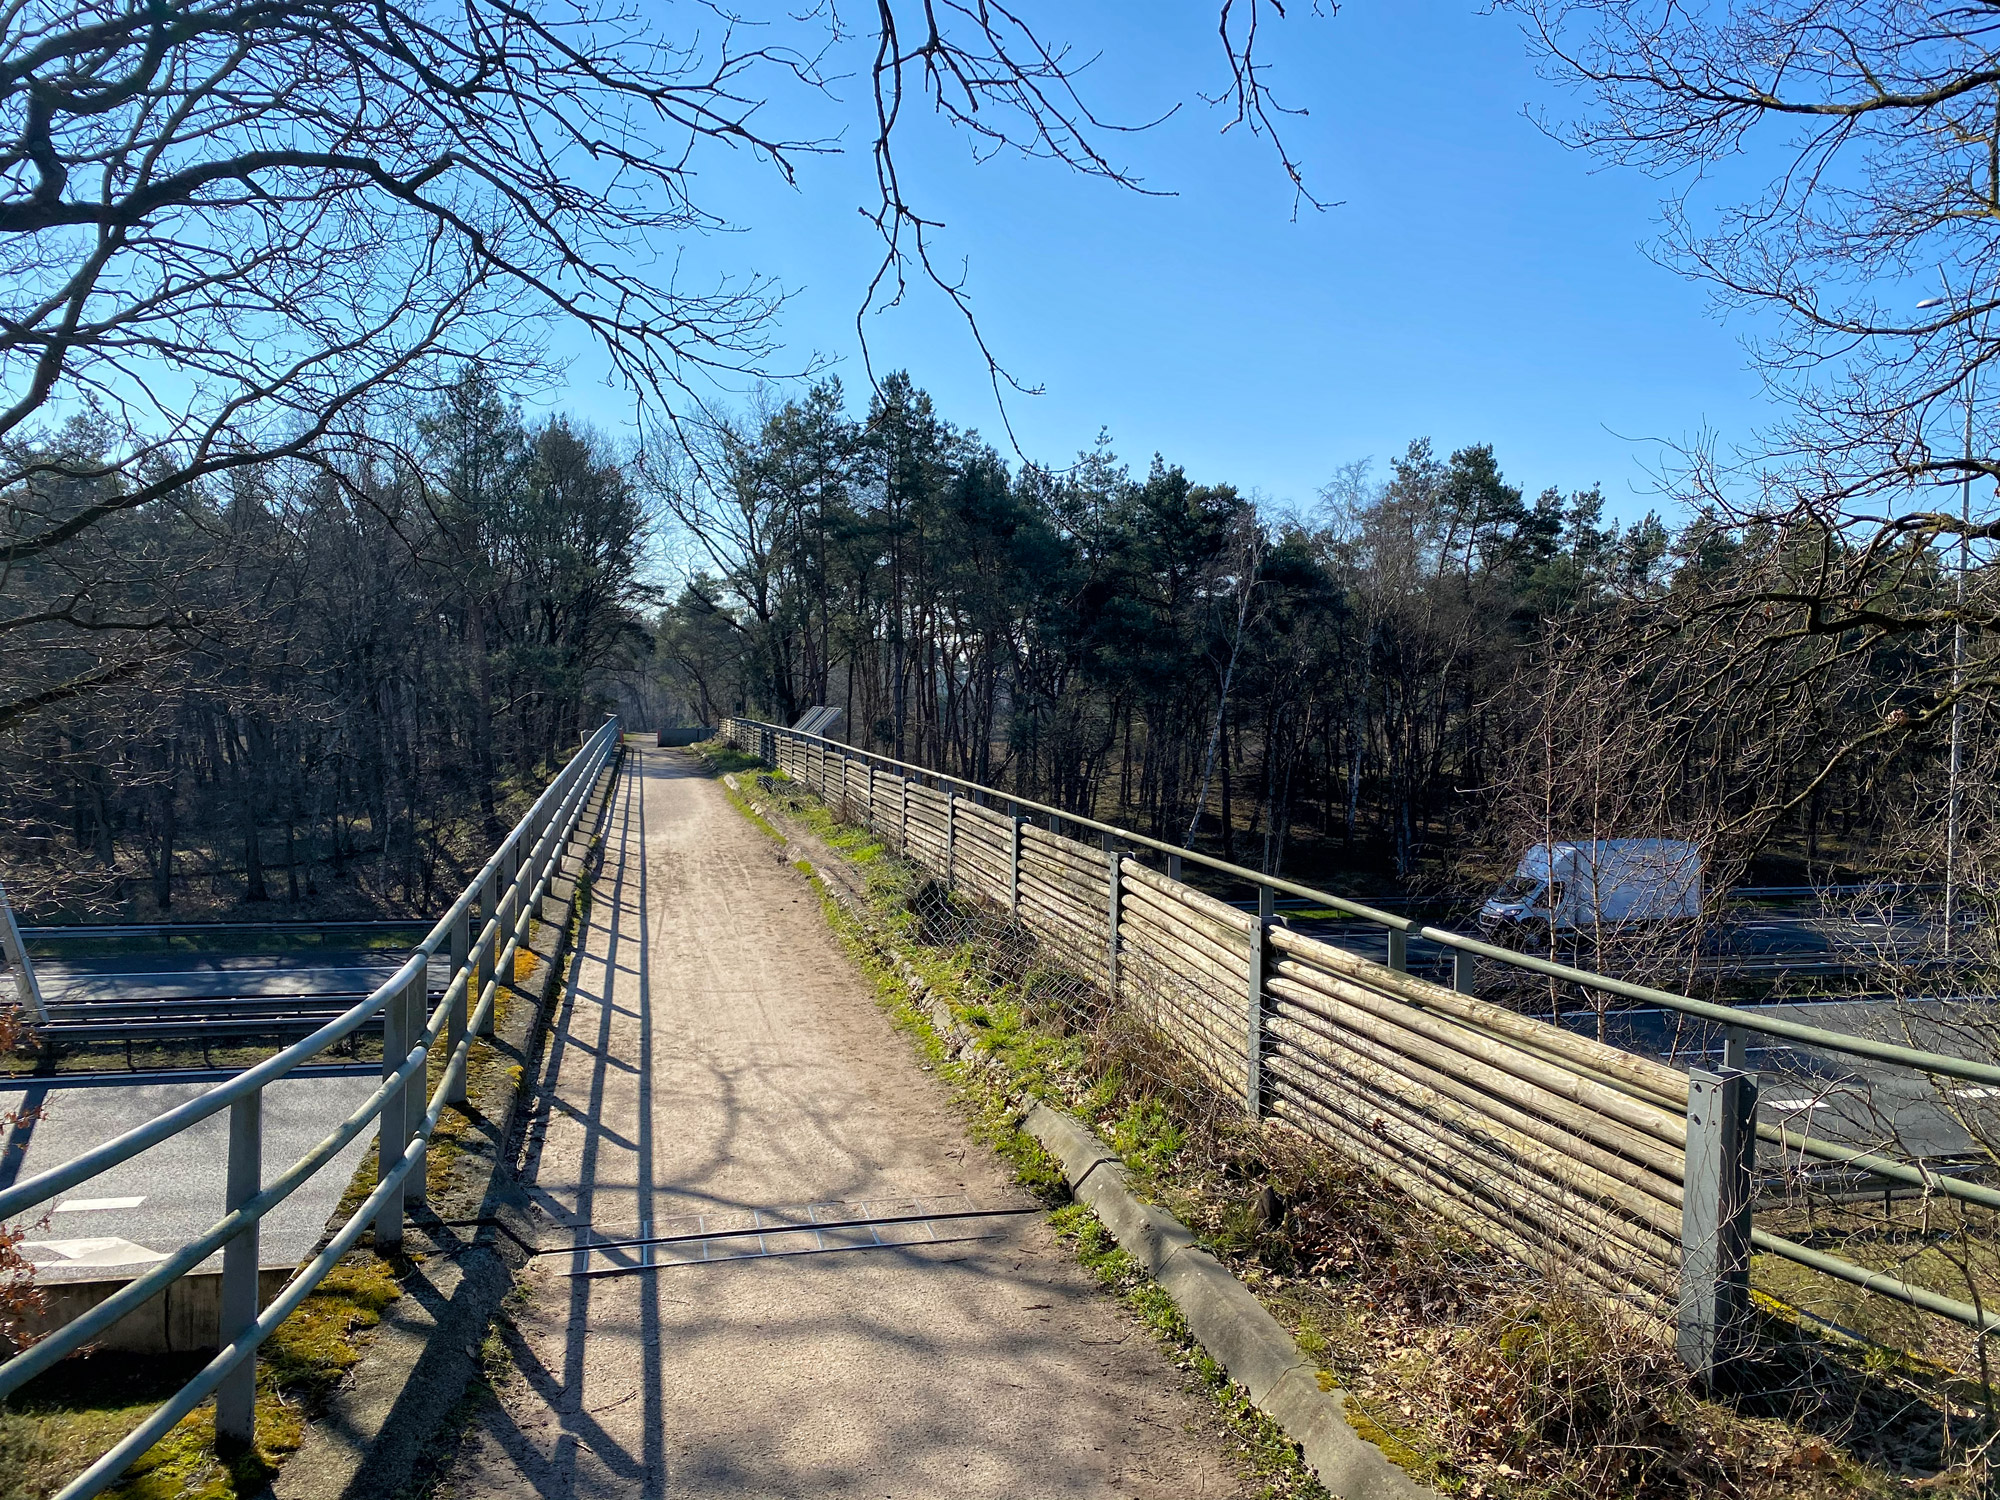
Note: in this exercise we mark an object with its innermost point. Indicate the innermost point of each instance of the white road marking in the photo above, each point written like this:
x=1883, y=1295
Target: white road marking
x=93, y=1205
x=1793, y=1104
x=104, y=1252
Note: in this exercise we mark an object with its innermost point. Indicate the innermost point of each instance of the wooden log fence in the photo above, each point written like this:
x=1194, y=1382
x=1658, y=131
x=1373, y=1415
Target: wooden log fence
x=1555, y=1149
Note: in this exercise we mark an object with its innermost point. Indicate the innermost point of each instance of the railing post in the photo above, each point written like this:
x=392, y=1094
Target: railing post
x=1736, y=1048
x=903, y=816
x=1712, y=1327
x=393, y=1138
x=461, y=963
x=416, y=1093
x=1253, y=1074
x=1461, y=971
x=870, y=816
x=1399, y=950
x=236, y=1397
x=1114, y=880
x=26, y=989
x=1173, y=867
x=1014, y=867
x=509, y=910
x=488, y=960
x=950, y=836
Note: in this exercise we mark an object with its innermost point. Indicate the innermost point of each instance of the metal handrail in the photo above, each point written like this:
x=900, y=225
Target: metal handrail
x=1939, y=1063
x=507, y=885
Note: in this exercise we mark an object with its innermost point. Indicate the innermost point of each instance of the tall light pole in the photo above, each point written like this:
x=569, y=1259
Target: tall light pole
x=1958, y=642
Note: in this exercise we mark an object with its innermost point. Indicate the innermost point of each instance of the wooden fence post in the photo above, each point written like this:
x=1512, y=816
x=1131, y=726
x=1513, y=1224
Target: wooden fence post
x=1715, y=1219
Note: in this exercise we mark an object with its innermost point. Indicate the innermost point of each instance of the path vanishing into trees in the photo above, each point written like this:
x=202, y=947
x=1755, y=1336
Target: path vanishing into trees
x=718, y=1057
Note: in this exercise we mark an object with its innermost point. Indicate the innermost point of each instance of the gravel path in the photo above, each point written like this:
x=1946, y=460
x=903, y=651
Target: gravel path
x=720, y=1063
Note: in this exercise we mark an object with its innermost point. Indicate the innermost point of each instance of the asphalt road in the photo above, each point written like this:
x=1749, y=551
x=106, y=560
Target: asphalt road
x=117, y=1224
x=195, y=976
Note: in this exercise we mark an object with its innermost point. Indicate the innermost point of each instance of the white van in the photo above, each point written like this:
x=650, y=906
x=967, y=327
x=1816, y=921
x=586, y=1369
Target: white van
x=1566, y=887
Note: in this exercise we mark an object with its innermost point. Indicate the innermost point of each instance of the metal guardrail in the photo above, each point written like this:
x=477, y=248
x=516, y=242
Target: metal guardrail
x=27, y=993
x=505, y=895
x=1739, y=1024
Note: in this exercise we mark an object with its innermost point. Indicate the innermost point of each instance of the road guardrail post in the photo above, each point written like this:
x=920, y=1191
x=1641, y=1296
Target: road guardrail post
x=25, y=986
x=236, y=1397
x=1713, y=1323
x=461, y=964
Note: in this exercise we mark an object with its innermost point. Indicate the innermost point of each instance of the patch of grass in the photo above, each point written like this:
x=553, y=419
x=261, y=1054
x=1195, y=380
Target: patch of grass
x=59, y=1424
x=721, y=756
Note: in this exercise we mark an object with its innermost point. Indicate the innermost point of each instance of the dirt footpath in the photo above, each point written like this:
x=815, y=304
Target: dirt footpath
x=718, y=1063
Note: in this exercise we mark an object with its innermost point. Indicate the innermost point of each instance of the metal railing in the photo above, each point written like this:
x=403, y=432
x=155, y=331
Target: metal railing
x=504, y=900
x=1723, y=1100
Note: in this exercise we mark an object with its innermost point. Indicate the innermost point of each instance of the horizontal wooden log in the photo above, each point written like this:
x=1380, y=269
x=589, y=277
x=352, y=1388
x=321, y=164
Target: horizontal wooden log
x=1344, y=998
x=1638, y=1160
x=1138, y=907
x=1503, y=1231
x=1213, y=974
x=1200, y=901
x=1054, y=878
x=1567, y=1167
x=1067, y=850
x=1499, y=1188
x=1225, y=1017
x=1038, y=906
x=1230, y=939
x=1644, y=1074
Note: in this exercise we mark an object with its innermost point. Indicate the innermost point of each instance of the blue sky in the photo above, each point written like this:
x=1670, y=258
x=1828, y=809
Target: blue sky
x=1475, y=282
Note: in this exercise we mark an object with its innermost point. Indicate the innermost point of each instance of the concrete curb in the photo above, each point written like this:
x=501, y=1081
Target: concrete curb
x=1236, y=1329
x=1225, y=1317
x=376, y=1427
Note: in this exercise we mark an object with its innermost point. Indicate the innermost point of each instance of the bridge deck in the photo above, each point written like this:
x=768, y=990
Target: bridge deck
x=718, y=1058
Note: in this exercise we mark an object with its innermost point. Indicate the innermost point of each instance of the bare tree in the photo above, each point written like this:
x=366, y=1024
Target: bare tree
x=1873, y=253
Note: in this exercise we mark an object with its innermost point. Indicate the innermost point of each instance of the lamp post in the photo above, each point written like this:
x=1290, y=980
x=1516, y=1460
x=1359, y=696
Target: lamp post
x=1957, y=645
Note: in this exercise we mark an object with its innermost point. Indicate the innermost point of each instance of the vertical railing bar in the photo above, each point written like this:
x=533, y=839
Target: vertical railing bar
x=236, y=1396
x=461, y=964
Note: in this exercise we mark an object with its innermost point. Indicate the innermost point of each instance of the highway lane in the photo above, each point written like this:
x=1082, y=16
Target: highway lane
x=117, y=1224
x=166, y=976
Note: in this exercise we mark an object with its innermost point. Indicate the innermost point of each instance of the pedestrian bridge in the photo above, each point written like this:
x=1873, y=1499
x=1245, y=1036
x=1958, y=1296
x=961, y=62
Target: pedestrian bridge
x=767, y=1260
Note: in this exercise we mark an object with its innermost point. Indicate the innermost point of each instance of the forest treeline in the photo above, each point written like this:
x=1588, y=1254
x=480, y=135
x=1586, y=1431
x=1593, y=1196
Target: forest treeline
x=1427, y=660
x=330, y=680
